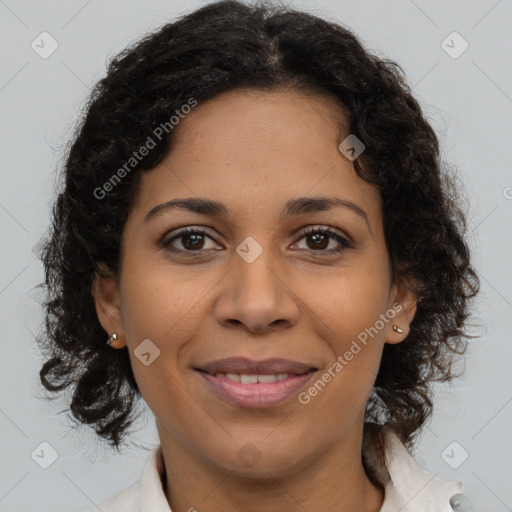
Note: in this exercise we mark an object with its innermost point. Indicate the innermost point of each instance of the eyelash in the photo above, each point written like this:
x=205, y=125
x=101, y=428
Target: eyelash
x=344, y=242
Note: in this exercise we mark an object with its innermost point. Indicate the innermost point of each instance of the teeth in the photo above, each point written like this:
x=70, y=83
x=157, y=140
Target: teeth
x=266, y=378
x=248, y=379
x=253, y=379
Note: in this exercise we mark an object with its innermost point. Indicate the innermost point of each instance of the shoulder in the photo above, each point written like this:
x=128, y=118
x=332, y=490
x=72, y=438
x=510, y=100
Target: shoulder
x=146, y=494
x=411, y=488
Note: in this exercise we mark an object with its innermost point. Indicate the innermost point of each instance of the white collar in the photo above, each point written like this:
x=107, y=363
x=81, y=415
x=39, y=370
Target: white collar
x=410, y=488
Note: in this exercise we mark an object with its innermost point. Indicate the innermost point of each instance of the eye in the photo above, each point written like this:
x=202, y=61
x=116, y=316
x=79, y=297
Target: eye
x=320, y=237
x=192, y=240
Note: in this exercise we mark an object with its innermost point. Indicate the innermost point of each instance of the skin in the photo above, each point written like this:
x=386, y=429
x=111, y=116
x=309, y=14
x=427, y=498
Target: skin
x=253, y=151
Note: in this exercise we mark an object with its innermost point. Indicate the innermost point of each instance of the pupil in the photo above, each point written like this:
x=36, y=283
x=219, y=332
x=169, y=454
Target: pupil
x=319, y=237
x=196, y=238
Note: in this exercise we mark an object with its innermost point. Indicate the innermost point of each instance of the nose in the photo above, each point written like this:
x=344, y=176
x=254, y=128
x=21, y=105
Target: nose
x=258, y=295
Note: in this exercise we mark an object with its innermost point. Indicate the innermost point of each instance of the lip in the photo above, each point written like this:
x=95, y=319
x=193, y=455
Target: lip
x=249, y=367
x=258, y=395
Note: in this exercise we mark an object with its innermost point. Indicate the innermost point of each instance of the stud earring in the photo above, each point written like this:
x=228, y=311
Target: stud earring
x=112, y=339
x=397, y=329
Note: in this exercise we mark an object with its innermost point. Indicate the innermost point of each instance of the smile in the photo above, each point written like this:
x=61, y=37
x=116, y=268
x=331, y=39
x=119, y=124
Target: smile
x=255, y=391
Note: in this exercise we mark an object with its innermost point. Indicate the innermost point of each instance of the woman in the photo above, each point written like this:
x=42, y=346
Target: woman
x=256, y=219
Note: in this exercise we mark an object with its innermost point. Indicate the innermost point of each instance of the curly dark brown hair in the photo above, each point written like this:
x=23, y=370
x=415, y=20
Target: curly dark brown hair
x=220, y=47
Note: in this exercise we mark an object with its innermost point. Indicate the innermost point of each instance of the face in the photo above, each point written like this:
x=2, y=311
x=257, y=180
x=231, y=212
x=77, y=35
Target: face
x=250, y=280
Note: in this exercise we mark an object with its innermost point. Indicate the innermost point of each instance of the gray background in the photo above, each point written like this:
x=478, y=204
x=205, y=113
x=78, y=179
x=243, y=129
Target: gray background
x=469, y=102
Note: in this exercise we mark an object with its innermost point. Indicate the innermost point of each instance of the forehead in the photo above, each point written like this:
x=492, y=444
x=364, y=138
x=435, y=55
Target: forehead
x=254, y=149
x=278, y=118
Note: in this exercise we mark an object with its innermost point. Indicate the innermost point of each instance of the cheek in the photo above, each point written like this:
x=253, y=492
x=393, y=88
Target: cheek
x=152, y=309
x=348, y=313
x=166, y=306
x=347, y=303
x=153, y=326
x=157, y=303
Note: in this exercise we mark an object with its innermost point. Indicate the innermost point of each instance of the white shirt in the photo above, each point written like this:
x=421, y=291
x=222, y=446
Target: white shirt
x=410, y=488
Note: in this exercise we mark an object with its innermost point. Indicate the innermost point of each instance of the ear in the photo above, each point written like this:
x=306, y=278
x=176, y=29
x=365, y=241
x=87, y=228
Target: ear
x=106, y=296
x=401, y=310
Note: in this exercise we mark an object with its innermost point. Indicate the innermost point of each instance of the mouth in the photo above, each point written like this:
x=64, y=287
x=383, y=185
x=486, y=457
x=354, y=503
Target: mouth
x=248, y=384
x=244, y=366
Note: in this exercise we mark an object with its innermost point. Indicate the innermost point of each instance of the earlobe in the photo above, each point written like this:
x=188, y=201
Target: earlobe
x=404, y=306
x=105, y=293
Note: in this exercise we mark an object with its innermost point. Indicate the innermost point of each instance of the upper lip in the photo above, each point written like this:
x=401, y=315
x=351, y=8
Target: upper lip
x=242, y=365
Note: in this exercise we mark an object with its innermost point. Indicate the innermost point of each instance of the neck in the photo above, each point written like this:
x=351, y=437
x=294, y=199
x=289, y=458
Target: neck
x=333, y=480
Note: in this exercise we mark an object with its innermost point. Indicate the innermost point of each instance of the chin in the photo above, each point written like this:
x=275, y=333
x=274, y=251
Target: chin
x=259, y=458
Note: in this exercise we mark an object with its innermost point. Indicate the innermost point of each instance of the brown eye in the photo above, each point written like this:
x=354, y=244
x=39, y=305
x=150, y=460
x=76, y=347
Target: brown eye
x=190, y=239
x=318, y=240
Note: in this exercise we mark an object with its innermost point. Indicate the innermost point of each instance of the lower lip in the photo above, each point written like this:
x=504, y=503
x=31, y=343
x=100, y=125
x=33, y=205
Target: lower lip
x=259, y=394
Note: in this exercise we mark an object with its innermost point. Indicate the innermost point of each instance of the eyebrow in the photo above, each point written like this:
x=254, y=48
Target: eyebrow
x=292, y=207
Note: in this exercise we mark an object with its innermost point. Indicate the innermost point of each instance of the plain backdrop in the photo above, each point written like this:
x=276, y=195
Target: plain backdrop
x=468, y=99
